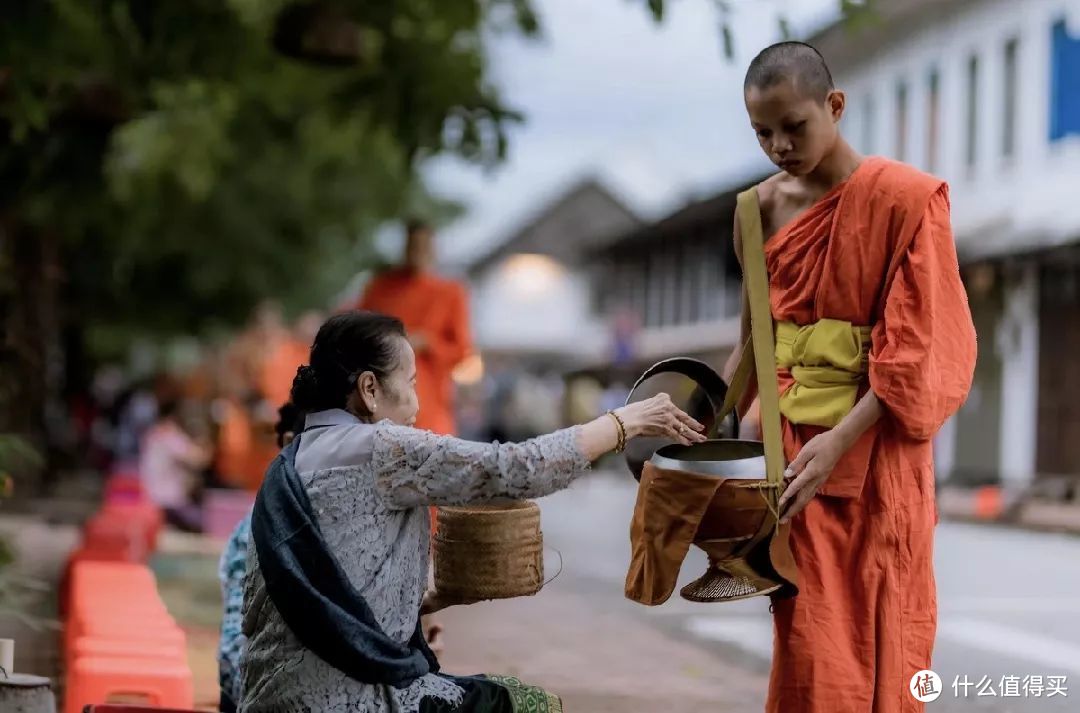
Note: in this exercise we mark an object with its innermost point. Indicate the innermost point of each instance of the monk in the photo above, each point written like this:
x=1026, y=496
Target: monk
x=875, y=349
x=435, y=312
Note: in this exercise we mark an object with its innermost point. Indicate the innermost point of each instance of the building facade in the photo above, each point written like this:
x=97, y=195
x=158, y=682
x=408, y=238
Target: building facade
x=986, y=94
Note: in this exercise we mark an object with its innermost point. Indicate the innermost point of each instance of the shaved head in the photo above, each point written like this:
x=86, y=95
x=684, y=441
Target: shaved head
x=796, y=62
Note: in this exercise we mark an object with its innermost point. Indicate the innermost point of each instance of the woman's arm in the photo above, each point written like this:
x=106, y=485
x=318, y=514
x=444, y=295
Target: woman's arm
x=414, y=467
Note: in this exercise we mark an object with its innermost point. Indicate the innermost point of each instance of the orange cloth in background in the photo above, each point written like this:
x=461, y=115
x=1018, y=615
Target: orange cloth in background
x=438, y=309
x=234, y=444
x=277, y=368
x=877, y=250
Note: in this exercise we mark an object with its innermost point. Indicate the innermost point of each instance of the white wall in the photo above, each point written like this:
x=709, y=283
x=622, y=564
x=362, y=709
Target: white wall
x=1003, y=203
x=1018, y=346
x=535, y=305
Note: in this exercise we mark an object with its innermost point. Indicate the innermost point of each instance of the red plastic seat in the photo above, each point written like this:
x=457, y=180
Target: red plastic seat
x=122, y=708
x=102, y=647
x=95, y=680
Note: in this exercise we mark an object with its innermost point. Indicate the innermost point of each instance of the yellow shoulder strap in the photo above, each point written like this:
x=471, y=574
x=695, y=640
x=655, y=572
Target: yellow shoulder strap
x=760, y=350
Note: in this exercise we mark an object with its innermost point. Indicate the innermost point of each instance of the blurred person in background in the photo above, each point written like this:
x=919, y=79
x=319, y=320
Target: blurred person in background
x=280, y=350
x=170, y=466
x=435, y=312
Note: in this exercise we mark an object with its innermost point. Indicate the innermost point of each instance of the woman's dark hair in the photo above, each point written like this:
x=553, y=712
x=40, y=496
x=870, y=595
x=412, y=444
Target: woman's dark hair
x=346, y=346
x=290, y=420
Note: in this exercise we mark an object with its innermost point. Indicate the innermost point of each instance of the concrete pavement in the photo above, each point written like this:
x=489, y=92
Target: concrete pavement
x=596, y=657
x=1009, y=599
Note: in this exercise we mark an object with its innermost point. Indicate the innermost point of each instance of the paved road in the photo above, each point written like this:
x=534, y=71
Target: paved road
x=1009, y=600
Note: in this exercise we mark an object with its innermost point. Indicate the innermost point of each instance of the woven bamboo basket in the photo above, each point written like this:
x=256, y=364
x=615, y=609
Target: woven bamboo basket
x=489, y=551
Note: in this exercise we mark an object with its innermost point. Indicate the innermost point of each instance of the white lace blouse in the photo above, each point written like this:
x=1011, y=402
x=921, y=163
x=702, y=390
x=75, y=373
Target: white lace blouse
x=369, y=485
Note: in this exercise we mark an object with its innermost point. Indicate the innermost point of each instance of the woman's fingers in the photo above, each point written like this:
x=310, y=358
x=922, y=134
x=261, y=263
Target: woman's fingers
x=666, y=419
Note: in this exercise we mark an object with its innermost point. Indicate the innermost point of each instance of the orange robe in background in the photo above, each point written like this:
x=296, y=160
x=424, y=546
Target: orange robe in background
x=234, y=444
x=438, y=309
x=278, y=368
x=877, y=250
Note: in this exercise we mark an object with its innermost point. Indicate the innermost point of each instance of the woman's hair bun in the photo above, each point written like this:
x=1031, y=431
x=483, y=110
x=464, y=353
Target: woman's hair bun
x=305, y=388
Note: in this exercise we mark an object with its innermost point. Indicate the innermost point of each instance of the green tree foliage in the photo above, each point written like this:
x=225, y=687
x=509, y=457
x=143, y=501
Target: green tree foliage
x=196, y=156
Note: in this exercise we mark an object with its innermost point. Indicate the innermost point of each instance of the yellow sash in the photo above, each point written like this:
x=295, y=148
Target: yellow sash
x=828, y=360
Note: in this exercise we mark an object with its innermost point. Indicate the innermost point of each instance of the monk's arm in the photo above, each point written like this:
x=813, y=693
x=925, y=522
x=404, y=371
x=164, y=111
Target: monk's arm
x=865, y=414
x=817, y=459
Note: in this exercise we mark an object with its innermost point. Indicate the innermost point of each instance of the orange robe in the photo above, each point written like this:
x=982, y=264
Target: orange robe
x=278, y=367
x=877, y=250
x=438, y=309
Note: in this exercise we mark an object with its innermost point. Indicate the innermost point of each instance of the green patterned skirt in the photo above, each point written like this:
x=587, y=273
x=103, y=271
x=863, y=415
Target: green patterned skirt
x=496, y=694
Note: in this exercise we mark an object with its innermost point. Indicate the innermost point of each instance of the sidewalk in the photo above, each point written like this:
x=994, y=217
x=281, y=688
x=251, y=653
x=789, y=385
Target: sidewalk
x=597, y=660
x=994, y=504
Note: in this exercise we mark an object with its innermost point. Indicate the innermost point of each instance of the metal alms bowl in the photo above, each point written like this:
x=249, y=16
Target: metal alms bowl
x=724, y=457
x=695, y=388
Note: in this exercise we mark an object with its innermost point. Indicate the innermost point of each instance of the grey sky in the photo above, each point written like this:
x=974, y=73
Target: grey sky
x=654, y=110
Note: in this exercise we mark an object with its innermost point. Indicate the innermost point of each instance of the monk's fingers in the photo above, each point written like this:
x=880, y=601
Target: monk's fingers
x=799, y=464
x=800, y=502
x=794, y=487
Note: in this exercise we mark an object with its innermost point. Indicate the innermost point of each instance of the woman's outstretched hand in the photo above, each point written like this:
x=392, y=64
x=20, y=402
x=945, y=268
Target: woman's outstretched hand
x=659, y=416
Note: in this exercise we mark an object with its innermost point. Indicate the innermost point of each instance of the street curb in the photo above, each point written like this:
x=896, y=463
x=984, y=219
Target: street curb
x=995, y=505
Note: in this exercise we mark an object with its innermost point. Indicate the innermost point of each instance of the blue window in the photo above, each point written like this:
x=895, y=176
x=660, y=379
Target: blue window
x=1064, y=83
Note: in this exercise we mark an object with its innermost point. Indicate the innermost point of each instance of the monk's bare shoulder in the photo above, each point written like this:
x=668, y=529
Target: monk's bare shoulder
x=772, y=199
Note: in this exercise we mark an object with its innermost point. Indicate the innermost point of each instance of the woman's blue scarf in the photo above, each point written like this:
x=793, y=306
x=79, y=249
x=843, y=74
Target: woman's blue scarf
x=315, y=597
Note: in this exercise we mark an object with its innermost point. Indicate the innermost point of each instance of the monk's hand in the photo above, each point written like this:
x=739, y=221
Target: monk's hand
x=808, y=472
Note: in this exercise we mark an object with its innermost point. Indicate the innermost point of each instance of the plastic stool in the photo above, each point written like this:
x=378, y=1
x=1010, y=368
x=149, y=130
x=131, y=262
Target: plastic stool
x=158, y=631
x=100, y=647
x=122, y=708
x=90, y=571
x=94, y=680
x=127, y=537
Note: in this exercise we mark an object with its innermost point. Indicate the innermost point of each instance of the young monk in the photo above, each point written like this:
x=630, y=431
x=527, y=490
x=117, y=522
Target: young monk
x=875, y=350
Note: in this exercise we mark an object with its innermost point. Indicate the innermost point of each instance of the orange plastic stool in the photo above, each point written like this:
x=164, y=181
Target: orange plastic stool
x=100, y=647
x=127, y=538
x=121, y=708
x=93, y=680
x=118, y=578
x=148, y=515
x=124, y=488
x=88, y=574
x=159, y=631
x=121, y=576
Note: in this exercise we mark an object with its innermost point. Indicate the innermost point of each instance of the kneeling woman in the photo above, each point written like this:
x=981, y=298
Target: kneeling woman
x=339, y=564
